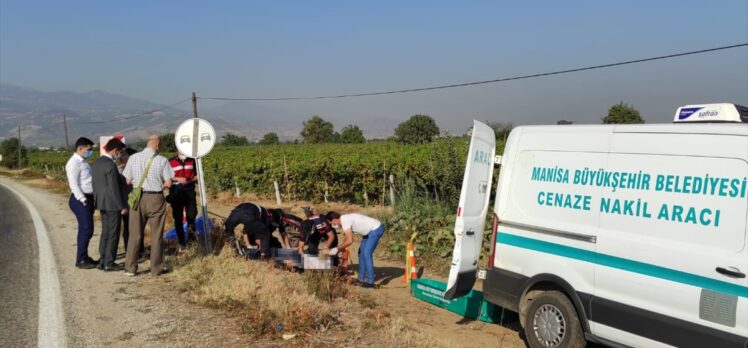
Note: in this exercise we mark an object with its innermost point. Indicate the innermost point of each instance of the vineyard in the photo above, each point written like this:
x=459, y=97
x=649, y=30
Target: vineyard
x=427, y=181
x=356, y=173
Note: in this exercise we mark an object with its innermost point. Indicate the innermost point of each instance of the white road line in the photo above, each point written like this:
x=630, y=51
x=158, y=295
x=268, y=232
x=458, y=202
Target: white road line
x=51, y=332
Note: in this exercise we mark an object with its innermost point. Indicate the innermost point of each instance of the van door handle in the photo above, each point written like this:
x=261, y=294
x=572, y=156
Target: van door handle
x=731, y=272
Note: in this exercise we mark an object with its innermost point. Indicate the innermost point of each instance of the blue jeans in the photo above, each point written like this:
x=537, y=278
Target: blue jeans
x=366, y=255
x=84, y=214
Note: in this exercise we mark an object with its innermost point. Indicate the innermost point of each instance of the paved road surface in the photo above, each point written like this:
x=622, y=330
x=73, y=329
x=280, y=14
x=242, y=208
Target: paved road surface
x=19, y=273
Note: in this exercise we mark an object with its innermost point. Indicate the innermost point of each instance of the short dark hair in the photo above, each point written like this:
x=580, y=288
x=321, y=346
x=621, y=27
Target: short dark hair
x=332, y=216
x=83, y=141
x=114, y=144
x=277, y=214
x=130, y=151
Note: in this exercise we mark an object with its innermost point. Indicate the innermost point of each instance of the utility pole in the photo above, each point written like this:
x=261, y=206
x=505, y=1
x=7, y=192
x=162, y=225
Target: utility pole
x=65, y=122
x=19, y=146
x=194, y=105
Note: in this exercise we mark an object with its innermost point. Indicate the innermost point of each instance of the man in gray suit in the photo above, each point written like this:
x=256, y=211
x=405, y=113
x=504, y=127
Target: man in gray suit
x=111, y=200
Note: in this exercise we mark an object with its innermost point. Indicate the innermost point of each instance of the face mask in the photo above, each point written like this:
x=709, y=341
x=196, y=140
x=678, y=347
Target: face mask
x=182, y=157
x=88, y=154
x=117, y=157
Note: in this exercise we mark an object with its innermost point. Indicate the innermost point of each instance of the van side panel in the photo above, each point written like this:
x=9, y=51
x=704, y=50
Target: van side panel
x=536, y=206
x=646, y=274
x=684, y=228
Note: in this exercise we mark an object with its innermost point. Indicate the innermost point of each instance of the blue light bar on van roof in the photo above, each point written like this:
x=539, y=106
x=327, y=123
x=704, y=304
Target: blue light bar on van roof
x=723, y=112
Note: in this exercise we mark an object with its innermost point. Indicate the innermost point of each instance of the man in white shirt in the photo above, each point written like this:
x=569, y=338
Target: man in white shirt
x=81, y=199
x=367, y=227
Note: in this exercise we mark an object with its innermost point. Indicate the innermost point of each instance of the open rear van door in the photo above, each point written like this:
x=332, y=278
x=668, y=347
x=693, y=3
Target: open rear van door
x=471, y=211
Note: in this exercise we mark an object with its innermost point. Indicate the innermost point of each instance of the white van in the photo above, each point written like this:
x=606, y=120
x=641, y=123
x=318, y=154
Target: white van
x=627, y=235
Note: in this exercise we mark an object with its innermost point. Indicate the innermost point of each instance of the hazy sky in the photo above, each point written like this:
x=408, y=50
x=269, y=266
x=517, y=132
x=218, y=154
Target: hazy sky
x=164, y=50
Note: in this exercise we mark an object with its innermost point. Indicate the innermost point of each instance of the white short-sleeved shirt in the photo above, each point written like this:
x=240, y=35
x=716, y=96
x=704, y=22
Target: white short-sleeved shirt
x=358, y=223
x=159, y=170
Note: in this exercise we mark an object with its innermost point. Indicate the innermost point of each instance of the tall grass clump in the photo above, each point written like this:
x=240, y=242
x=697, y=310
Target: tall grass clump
x=263, y=298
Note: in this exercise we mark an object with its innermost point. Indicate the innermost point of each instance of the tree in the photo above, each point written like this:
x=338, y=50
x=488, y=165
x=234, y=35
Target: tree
x=230, y=139
x=137, y=144
x=9, y=150
x=351, y=134
x=417, y=129
x=270, y=139
x=167, y=143
x=500, y=129
x=622, y=113
x=316, y=130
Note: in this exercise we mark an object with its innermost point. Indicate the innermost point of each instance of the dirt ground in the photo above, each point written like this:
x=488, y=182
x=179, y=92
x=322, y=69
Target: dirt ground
x=112, y=309
x=451, y=329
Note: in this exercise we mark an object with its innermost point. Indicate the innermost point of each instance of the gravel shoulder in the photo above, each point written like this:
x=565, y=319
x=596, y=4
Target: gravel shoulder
x=109, y=309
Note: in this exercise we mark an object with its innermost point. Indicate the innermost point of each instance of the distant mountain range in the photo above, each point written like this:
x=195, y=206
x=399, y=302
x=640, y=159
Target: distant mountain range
x=95, y=113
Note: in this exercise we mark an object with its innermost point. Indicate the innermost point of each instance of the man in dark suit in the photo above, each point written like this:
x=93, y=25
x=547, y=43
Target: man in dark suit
x=111, y=200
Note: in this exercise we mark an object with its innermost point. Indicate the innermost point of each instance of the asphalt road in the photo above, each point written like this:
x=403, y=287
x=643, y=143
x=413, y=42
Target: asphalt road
x=19, y=274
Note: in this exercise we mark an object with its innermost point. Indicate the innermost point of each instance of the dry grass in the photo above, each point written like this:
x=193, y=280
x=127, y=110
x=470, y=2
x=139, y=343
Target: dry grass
x=268, y=302
x=260, y=296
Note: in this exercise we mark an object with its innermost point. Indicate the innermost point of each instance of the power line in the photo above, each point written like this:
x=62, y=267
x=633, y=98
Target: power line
x=674, y=55
x=145, y=113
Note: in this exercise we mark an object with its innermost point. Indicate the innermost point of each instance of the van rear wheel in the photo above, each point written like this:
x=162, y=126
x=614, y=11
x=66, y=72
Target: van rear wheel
x=552, y=322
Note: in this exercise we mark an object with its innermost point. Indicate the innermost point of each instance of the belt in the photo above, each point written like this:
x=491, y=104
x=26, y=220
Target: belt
x=153, y=192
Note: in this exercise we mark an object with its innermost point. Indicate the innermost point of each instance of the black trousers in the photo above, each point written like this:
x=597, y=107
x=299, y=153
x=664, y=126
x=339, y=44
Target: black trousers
x=257, y=230
x=111, y=222
x=179, y=200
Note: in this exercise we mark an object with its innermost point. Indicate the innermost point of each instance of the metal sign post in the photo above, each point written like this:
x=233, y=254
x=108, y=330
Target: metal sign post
x=195, y=138
x=203, y=200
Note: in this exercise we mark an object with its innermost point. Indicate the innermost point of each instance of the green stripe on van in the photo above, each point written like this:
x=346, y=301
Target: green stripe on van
x=621, y=263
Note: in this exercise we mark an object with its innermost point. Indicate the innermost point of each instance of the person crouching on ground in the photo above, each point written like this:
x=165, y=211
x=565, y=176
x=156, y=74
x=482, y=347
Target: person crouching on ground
x=259, y=224
x=371, y=230
x=110, y=199
x=316, y=229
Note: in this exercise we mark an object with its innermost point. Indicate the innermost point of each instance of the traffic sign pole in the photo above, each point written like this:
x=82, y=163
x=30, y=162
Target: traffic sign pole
x=195, y=138
x=203, y=200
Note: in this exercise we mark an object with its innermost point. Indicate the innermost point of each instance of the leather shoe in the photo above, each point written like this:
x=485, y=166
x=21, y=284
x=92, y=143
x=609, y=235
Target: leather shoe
x=85, y=265
x=114, y=267
x=91, y=260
